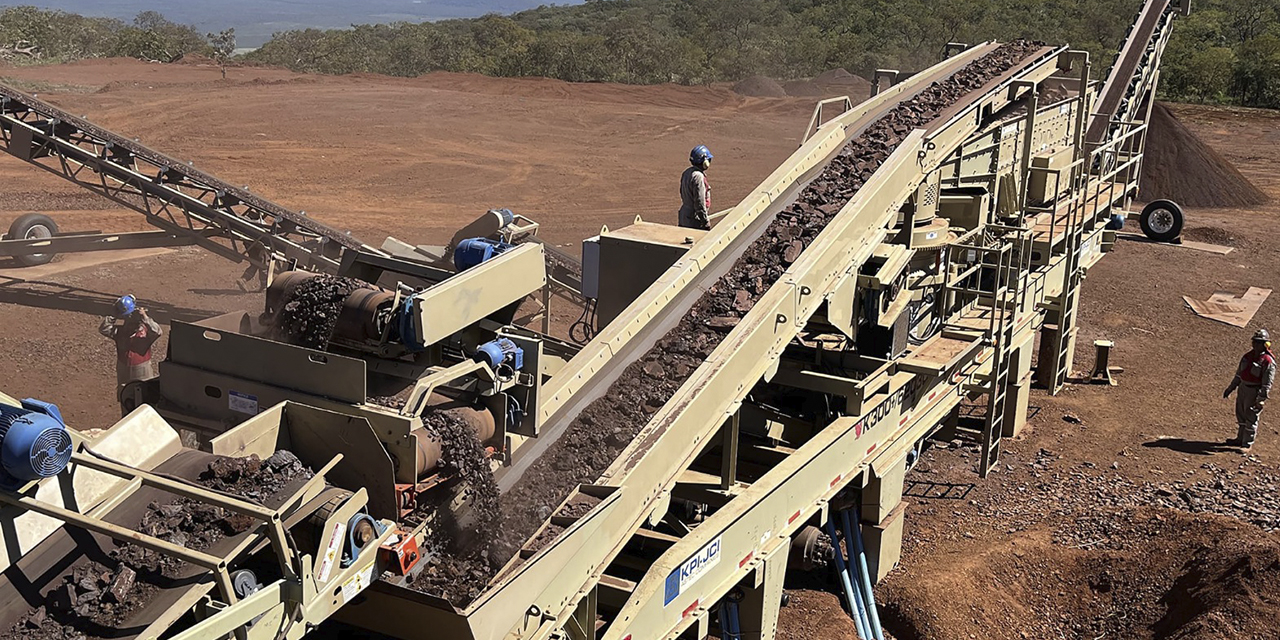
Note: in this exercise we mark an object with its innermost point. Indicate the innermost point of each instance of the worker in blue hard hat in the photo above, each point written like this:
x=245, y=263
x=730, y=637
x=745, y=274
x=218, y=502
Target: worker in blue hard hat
x=695, y=191
x=134, y=332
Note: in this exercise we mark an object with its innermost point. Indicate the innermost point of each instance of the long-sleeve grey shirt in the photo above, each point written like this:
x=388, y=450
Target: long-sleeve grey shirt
x=695, y=199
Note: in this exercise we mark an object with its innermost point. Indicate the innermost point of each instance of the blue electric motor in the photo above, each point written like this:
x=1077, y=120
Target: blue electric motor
x=474, y=251
x=501, y=351
x=34, y=442
x=506, y=214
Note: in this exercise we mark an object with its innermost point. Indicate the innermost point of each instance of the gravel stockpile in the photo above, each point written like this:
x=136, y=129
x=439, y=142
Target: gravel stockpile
x=759, y=87
x=1089, y=549
x=1178, y=166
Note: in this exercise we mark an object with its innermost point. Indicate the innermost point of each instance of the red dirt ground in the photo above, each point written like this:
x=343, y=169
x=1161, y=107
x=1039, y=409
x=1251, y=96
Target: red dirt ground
x=412, y=158
x=1129, y=524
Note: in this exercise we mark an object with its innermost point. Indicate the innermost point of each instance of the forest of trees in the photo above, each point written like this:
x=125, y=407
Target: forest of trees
x=56, y=36
x=1228, y=51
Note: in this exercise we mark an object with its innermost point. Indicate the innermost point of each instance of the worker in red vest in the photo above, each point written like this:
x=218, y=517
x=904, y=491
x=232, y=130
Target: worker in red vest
x=1253, y=378
x=134, y=332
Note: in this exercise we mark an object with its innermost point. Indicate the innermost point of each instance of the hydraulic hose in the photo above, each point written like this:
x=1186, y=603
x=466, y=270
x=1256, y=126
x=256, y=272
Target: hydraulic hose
x=851, y=596
x=853, y=532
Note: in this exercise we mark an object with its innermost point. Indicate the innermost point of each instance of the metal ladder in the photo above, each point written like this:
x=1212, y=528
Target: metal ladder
x=1012, y=260
x=1004, y=252
x=1069, y=299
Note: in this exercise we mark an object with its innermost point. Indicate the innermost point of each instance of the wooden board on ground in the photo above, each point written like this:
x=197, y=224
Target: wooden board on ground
x=1186, y=244
x=1229, y=309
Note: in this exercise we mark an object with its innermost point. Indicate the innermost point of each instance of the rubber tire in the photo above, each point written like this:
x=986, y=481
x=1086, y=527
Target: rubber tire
x=1168, y=235
x=27, y=224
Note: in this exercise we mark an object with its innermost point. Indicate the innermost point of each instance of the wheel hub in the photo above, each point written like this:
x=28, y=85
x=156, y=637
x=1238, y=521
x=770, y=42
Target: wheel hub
x=1161, y=221
x=38, y=232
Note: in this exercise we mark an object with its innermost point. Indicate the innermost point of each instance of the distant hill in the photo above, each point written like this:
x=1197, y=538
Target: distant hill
x=1227, y=51
x=256, y=20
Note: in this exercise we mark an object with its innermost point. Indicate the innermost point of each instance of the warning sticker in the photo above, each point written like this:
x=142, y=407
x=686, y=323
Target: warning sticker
x=242, y=403
x=332, y=550
x=357, y=583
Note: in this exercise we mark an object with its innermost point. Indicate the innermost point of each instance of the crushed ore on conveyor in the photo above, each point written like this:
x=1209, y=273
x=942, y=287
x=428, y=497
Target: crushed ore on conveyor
x=458, y=562
x=600, y=432
x=458, y=558
x=309, y=315
x=99, y=595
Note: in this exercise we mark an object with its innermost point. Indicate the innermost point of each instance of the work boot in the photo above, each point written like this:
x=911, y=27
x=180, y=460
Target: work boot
x=1233, y=442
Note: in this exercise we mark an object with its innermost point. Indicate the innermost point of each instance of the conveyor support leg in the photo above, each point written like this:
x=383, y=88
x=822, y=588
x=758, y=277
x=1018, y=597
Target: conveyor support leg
x=883, y=493
x=758, y=610
x=883, y=541
x=1019, y=395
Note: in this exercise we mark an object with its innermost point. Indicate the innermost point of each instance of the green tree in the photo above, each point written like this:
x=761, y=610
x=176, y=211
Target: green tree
x=1258, y=71
x=224, y=45
x=1198, y=64
x=503, y=45
x=1224, y=52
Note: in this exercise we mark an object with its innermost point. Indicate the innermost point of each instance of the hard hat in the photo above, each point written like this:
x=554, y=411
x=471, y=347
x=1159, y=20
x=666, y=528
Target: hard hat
x=1262, y=336
x=125, y=306
x=699, y=155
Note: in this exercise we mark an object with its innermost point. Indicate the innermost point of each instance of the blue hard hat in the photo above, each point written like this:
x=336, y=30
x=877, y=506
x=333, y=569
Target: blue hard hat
x=125, y=306
x=700, y=154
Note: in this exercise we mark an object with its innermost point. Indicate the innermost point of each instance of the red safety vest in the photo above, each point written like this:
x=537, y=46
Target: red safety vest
x=135, y=349
x=1253, y=366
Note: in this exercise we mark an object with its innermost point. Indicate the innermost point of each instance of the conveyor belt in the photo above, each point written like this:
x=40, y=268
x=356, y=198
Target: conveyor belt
x=553, y=576
x=661, y=322
x=172, y=194
x=659, y=318
x=23, y=587
x=1131, y=54
x=89, y=129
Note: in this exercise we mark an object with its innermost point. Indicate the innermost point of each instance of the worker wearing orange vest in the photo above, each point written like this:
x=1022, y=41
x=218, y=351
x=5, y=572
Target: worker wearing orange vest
x=1254, y=376
x=134, y=332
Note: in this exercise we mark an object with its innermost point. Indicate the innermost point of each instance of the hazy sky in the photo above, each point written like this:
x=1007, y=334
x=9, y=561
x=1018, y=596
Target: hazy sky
x=256, y=20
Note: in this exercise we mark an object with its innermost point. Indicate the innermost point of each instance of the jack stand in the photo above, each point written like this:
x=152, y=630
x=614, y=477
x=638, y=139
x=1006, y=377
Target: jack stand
x=1102, y=372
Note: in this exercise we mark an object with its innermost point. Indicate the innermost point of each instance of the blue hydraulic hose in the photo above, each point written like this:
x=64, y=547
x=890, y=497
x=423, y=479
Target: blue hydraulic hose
x=735, y=623
x=730, y=623
x=864, y=582
x=855, y=602
x=854, y=578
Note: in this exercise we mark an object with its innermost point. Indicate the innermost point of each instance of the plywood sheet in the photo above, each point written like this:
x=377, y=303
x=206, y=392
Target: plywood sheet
x=1186, y=244
x=1225, y=307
